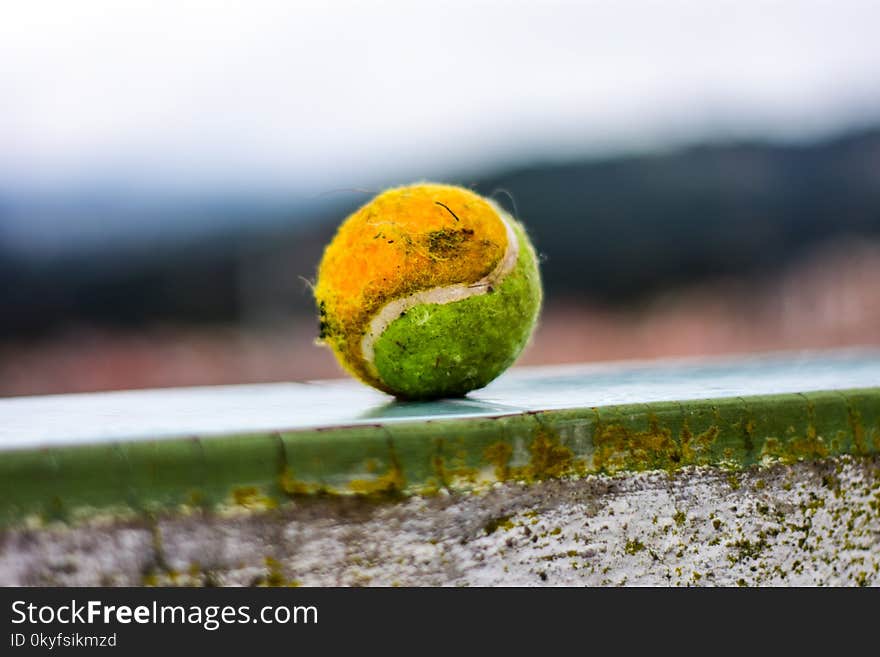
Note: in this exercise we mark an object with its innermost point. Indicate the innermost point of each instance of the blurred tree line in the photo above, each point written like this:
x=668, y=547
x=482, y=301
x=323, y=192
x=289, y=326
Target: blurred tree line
x=610, y=231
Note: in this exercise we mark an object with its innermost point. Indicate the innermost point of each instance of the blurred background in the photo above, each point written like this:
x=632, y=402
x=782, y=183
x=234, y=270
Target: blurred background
x=699, y=178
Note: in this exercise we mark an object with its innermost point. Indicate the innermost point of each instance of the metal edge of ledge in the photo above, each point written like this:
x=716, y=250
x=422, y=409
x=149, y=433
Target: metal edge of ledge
x=263, y=470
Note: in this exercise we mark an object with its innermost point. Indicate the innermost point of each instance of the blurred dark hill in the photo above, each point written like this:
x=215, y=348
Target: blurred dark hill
x=621, y=229
x=612, y=231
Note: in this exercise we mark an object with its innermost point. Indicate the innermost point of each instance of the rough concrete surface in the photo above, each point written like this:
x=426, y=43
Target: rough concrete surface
x=804, y=524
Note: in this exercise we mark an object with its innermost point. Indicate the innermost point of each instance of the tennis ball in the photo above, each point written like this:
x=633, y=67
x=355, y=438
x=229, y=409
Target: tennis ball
x=428, y=291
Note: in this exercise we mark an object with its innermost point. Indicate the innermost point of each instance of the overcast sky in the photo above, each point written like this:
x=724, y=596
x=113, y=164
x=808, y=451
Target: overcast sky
x=297, y=95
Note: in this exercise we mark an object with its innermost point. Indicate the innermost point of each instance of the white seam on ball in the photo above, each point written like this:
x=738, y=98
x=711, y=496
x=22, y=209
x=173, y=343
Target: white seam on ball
x=440, y=295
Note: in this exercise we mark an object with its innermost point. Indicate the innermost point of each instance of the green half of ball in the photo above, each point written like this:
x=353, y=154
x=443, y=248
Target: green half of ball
x=447, y=350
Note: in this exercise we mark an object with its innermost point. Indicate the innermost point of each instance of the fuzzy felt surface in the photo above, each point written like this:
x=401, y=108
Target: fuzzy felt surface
x=405, y=240
x=447, y=350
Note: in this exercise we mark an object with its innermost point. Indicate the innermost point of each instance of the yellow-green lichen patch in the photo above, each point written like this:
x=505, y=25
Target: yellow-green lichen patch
x=810, y=446
x=239, y=461
x=293, y=487
x=828, y=423
x=252, y=498
x=452, y=469
x=626, y=441
x=696, y=449
x=730, y=424
x=498, y=455
x=549, y=459
x=863, y=410
x=858, y=429
x=468, y=455
x=784, y=429
x=817, y=428
x=388, y=483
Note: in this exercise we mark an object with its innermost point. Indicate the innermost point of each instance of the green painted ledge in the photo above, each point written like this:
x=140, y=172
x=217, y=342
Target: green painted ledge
x=387, y=460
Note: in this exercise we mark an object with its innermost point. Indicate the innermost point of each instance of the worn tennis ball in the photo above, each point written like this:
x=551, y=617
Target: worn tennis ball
x=428, y=291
